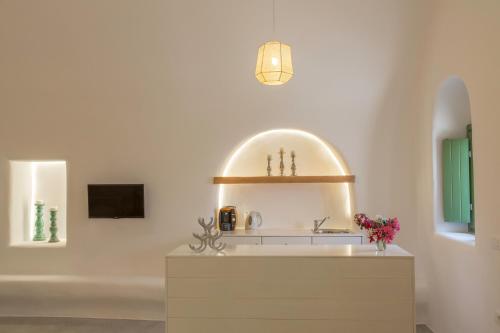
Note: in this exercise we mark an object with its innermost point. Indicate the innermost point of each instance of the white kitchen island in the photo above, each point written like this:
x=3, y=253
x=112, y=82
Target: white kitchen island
x=292, y=289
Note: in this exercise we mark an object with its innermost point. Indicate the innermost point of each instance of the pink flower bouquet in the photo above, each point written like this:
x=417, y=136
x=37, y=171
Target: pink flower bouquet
x=380, y=230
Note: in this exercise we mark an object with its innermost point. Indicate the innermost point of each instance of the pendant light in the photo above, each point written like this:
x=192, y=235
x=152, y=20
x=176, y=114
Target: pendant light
x=274, y=60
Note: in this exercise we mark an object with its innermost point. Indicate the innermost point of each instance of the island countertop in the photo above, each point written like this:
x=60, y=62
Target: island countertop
x=351, y=251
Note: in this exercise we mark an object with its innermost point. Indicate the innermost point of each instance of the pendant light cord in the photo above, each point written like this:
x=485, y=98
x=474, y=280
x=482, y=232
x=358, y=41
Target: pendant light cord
x=274, y=17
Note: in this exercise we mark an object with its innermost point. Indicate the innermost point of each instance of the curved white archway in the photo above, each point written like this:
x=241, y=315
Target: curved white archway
x=337, y=164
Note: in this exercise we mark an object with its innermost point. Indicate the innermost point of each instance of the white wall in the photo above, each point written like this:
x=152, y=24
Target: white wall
x=20, y=193
x=159, y=92
x=464, y=292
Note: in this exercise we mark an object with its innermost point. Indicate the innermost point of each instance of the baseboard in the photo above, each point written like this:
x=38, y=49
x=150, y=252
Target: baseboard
x=136, y=298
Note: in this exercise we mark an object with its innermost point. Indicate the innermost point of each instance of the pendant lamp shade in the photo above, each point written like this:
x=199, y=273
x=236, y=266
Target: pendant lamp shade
x=274, y=63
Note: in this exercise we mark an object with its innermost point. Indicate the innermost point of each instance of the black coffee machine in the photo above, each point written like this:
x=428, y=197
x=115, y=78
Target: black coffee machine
x=227, y=218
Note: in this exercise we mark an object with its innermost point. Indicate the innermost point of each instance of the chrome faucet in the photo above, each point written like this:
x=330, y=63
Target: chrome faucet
x=319, y=223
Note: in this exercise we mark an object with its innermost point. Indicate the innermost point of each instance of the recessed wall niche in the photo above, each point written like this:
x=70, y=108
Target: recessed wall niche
x=288, y=206
x=31, y=181
x=452, y=114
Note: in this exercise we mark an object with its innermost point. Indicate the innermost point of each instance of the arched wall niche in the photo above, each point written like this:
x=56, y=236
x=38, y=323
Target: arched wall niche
x=288, y=205
x=452, y=114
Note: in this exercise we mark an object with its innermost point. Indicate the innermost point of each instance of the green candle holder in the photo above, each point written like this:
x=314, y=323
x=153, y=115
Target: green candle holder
x=53, y=225
x=39, y=225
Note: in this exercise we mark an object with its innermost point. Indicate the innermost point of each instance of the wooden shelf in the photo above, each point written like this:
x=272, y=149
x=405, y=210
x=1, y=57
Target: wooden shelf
x=284, y=179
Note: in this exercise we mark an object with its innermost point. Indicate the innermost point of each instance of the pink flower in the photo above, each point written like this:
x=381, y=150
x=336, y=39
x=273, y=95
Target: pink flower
x=379, y=229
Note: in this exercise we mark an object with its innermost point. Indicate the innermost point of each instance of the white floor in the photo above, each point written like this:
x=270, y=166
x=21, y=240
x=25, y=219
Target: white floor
x=77, y=325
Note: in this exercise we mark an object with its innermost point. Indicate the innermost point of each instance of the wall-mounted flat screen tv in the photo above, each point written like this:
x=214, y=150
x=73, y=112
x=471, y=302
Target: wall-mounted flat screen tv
x=116, y=201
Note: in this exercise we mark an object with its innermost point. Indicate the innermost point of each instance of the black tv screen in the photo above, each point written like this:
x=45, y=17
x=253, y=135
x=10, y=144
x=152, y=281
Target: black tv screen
x=116, y=201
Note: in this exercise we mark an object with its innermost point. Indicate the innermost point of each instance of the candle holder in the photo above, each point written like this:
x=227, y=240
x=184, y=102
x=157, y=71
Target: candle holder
x=210, y=237
x=53, y=225
x=39, y=224
x=282, y=164
x=269, y=165
x=294, y=167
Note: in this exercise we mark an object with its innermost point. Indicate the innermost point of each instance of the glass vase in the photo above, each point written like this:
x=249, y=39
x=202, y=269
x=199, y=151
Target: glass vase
x=381, y=245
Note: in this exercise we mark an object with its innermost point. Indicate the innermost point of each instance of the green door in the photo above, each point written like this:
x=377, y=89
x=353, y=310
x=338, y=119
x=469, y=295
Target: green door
x=456, y=181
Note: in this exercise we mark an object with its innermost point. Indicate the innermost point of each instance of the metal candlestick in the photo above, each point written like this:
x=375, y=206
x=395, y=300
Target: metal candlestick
x=269, y=165
x=39, y=225
x=53, y=225
x=282, y=165
x=294, y=167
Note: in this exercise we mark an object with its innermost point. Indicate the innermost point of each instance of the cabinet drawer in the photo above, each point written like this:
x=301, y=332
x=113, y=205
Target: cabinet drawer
x=285, y=240
x=337, y=240
x=242, y=240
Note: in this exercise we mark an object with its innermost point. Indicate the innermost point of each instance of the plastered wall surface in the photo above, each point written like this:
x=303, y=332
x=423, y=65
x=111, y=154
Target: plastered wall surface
x=463, y=290
x=160, y=92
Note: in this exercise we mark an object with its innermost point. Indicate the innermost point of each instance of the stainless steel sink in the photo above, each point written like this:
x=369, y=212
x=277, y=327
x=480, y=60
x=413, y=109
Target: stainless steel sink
x=331, y=231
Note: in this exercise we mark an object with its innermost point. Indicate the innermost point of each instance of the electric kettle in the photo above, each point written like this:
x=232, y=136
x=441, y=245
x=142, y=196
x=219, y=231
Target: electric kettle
x=254, y=220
